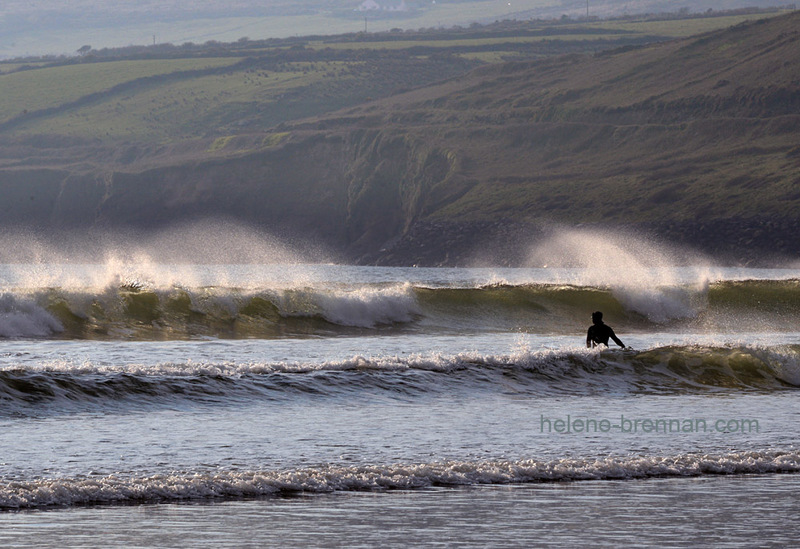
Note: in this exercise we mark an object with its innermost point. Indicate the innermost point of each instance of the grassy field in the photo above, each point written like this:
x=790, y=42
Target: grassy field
x=681, y=28
x=280, y=82
x=182, y=108
x=38, y=41
x=47, y=87
x=568, y=31
x=364, y=144
x=8, y=67
x=246, y=98
x=474, y=43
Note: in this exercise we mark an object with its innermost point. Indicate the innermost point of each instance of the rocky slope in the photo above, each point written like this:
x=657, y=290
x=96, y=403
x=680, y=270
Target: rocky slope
x=694, y=142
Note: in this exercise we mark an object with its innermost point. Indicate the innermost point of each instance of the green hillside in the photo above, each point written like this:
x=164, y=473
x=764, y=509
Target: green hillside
x=427, y=153
x=697, y=140
x=58, y=27
x=168, y=93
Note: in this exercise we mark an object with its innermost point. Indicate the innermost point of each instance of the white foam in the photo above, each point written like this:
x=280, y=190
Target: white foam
x=662, y=304
x=556, y=363
x=237, y=485
x=641, y=274
x=190, y=368
x=784, y=361
x=365, y=307
x=20, y=318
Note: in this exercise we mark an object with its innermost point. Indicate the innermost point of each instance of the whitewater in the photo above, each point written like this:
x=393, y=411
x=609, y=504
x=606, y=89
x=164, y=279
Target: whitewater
x=149, y=403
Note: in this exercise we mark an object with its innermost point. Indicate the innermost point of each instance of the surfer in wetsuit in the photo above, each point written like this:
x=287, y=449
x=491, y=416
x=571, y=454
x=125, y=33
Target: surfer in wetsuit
x=599, y=333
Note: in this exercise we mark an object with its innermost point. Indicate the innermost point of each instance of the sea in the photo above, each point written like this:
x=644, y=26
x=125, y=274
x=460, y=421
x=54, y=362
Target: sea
x=328, y=405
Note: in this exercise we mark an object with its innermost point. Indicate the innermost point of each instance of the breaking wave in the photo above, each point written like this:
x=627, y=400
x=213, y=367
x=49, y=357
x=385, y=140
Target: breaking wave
x=233, y=485
x=21, y=318
x=135, y=311
x=35, y=390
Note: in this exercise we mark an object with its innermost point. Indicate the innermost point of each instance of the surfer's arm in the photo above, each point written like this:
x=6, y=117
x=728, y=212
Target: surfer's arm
x=616, y=339
x=589, y=338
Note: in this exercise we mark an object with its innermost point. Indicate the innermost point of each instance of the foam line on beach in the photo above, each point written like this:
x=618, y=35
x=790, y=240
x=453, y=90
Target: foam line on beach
x=233, y=485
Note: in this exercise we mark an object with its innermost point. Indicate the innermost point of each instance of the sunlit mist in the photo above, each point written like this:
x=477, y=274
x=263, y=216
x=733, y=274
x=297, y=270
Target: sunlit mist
x=641, y=273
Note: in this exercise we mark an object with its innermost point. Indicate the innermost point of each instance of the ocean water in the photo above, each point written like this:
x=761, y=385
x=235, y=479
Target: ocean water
x=219, y=405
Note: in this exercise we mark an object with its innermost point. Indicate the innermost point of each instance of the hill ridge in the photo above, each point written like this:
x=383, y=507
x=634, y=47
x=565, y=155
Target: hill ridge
x=691, y=141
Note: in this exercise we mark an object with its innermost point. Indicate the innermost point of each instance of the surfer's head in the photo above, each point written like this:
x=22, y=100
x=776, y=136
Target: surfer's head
x=597, y=317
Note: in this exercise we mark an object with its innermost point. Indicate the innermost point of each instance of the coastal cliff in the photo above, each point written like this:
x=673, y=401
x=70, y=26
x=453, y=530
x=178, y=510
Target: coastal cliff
x=693, y=141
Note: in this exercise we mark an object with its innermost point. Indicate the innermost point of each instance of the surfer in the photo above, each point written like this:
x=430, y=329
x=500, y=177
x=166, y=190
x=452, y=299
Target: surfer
x=599, y=333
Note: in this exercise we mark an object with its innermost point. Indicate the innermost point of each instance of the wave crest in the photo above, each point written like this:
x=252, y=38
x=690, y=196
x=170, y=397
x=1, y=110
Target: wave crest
x=118, y=489
x=135, y=311
x=23, y=318
x=58, y=386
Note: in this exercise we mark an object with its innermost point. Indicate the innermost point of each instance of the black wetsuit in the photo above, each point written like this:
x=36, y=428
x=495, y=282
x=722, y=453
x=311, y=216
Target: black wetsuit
x=600, y=333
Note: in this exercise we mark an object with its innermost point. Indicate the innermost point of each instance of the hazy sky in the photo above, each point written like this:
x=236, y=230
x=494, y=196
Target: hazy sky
x=39, y=27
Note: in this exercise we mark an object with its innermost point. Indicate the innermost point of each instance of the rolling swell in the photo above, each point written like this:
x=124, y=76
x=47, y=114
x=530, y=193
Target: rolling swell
x=663, y=370
x=770, y=296
x=237, y=485
x=133, y=312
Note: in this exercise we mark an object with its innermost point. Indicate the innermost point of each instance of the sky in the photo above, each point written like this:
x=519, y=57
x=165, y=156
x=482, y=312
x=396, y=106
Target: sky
x=61, y=27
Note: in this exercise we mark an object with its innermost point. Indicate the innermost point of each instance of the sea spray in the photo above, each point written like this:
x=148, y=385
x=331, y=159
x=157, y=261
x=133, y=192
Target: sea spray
x=363, y=307
x=158, y=258
x=266, y=302
x=640, y=273
x=22, y=318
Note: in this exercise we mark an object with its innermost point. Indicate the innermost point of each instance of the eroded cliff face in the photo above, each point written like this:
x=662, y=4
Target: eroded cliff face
x=694, y=142
x=401, y=197
x=394, y=179
x=298, y=188
x=353, y=192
